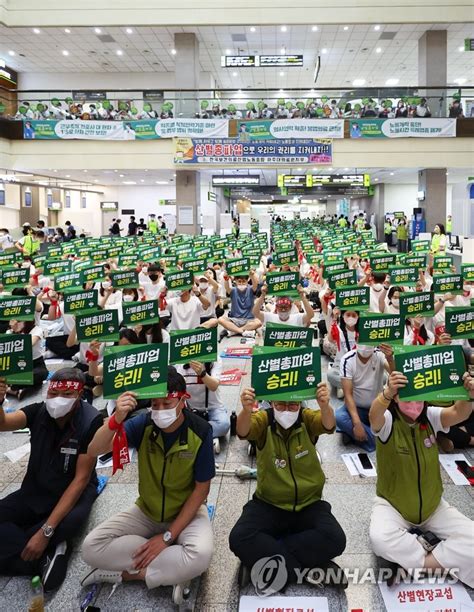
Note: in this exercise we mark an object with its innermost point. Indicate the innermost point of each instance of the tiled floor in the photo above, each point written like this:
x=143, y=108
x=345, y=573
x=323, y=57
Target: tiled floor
x=217, y=591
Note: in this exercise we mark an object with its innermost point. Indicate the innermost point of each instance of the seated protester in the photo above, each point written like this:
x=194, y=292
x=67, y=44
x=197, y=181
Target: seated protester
x=282, y=312
x=375, y=281
x=40, y=371
x=38, y=521
x=57, y=346
x=343, y=334
x=202, y=384
x=155, y=283
x=416, y=333
x=389, y=300
x=166, y=537
x=286, y=515
x=209, y=288
x=185, y=309
x=83, y=360
x=152, y=333
x=362, y=375
x=240, y=320
x=409, y=486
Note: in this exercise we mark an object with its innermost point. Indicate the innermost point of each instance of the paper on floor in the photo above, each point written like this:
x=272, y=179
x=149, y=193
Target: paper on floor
x=109, y=463
x=426, y=597
x=448, y=462
x=253, y=603
x=355, y=468
x=18, y=453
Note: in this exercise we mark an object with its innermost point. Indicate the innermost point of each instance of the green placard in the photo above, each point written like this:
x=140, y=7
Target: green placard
x=460, y=322
x=417, y=303
x=420, y=246
x=80, y=302
x=93, y=273
x=54, y=252
x=99, y=255
x=141, y=368
x=127, y=261
x=68, y=282
x=434, y=373
x=345, y=278
x=238, y=267
x=12, y=278
x=179, y=281
x=381, y=328
x=140, y=313
x=113, y=252
x=332, y=256
x=287, y=336
x=283, y=283
x=447, y=283
x=381, y=263
x=288, y=257
x=17, y=307
x=100, y=325
x=290, y=375
x=334, y=267
x=353, y=298
x=8, y=259
x=193, y=345
x=413, y=261
x=467, y=271
x=442, y=262
x=196, y=266
x=403, y=275
x=127, y=279
x=202, y=253
x=16, y=359
x=62, y=266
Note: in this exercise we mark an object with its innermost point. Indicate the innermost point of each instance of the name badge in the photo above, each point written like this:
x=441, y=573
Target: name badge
x=302, y=454
x=69, y=451
x=185, y=454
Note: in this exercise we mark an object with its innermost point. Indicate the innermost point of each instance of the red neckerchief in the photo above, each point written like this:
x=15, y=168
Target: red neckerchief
x=120, y=454
x=417, y=339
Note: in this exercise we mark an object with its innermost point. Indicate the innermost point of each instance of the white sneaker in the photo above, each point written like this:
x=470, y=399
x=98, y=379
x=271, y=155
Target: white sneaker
x=217, y=446
x=76, y=357
x=249, y=333
x=98, y=575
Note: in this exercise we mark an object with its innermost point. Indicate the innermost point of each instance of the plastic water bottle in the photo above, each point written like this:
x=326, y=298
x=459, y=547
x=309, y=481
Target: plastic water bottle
x=37, y=598
x=233, y=423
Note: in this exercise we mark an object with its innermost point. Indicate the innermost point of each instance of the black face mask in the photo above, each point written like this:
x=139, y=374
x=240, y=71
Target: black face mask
x=153, y=277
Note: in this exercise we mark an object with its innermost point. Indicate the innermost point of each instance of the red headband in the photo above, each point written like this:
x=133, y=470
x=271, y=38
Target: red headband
x=65, y=385
x=176, y=394
x=283, y=301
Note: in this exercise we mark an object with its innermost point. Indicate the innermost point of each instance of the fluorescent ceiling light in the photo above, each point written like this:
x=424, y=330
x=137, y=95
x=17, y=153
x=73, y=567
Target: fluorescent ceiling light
x=97, y=30
x=234, y=74
x=346, y=28
x=283, y=28
x=324, y=51
x=119, y=52
x=121, y=175
x=65, y=53
x=392, y=82
x=161, y=182
x=129, y=182
x=377, y=28
x=314, y=29
x=67, y=30
x=228, y=51
x=282, y=74
x=461, y=48
x=12, y=53
x=173, y=52
x=36, y=30
x=460, y=81
x=358, y=82
x=129, y=30
x=283, y=50
x=378, y=50
x=253, y=29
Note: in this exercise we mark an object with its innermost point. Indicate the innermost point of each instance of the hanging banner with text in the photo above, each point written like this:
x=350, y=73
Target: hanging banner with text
x=142, y=369
x=434, y=373
x=193, y=345
x=267, y=129
x=287, y=336
x=228, y=151
x=292, y=376
x=403, y=128
x=16, y=359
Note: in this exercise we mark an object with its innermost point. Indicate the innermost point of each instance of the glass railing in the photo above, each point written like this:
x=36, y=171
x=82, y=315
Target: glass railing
x=329, y=103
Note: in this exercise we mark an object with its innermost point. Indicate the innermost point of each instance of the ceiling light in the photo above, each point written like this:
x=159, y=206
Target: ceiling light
x=84, y=170
x=392, y=173
x=283, y=28
x=324, y=51
x=96, y=180
x=460, y=81
x=142, y=180
x=129, y=182
x=115, y=170
x=376, y=179
x=119, y=52
x=358, y=82
x=299, y=169
x=283, y=50
x=67, y=30
x=12, y=53
x=65, y=53
x=447, y=173
x=314, y=29
x=36, y=30
x=281, y=91
x=392, y=82
x=228, y=51
x=68, y=176
x=377, y=28
x=346, y=169
x=146, y=170
x=121, y=175
x=282, y=74
x=461, y=48
x=253, y=29
x=97, y=30
x=346, y=28
x=234, y=74
x=173, y=52
x=378, y=50
x=161, y=182
x=54, y=170
x=129, y=30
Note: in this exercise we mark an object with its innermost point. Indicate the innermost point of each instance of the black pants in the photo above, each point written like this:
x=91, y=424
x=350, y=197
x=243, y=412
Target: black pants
x=40, y=374
x=306, y=539
x=19, y=522
x=87, y=394
x=57, y=345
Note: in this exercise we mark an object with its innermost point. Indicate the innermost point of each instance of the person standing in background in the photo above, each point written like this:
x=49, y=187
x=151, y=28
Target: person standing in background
x=402, y=236
x=116, y=229
x=6, y=241
x=387, y=230
x=449, y=228
x=70, y=231
x=141, y=227
x=132, y=226
x=152, y=224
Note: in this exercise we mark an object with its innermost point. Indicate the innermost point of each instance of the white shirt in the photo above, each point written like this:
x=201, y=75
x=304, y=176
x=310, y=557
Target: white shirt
x=197, y=389
x=37, y=348
x=211, y=297
x=184, y=315
x=409, y=334
x=374, y=299
x=6, y=242
x=432, y=412
x=351, y=336
x=68, y=319
x=293, y=319
x=367, y=378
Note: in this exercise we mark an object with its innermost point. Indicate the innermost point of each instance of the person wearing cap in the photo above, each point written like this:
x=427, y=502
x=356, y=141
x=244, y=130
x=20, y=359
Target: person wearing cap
x=38, y=521
x=165, y=538
x=283, y=306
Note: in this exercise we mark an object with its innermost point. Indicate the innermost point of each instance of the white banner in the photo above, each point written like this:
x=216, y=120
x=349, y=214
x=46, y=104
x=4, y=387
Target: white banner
x=419, y=128
x=307, y=128
x=192, y=128
x=94, y=130
x=252, y=603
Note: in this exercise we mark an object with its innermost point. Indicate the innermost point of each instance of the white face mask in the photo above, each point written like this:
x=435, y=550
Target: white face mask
x=145, y=269
x=203, y=286
x=468, y=288
x=396, y=302
x=106, y=285
x=59, y=406
x=25, y=265
x=286, y=418
x=284, y=316
x=164, y=418
x=351, y=321
x=365, y=351
x=377, y=286
x=242, y=287
x=128, y=298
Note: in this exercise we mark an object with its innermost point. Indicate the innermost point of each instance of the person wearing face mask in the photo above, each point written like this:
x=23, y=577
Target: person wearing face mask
x=409, y=487
x=416, y=333
x=166, y=537
x=185, y=309
x=389, y=299
x=155, y=283
x=376, y=281
x=282, y=312
x=241, y=320
x=344, y=335
x=362, y=374
x=438, y=241
x=286, y=515
x=109, y=298
x=209, y=288
x=40, y=371
x=38, y=521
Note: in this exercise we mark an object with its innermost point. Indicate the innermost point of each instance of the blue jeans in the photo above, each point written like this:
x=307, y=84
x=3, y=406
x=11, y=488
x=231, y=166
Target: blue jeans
x=344, y=424
x=219, y=421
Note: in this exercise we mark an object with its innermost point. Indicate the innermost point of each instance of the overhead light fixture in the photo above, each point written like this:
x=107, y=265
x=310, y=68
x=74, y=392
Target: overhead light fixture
x=129, y=182
x=234, y=74
x=358, y=82
x=324, y=51
x=460, y=81
x=12, y=53
x=253, y=29
x=299, y=169
x=115, y=170
x=97, y=30
x=161, y=182
x=282, y=50
x=314, y=29
x=65, y=53
x=142, y=180
x=282, y=74
x=378, y=50
x=228, y=51
x=376, y=179
x=119, y=52
x=281, y=91
x=68, y=176
x=129, y=30
x=346, y=169
x=36, y=30
x=85, y=170
x=392, y=173
x=173, y=52
x=67, y=30
x=390, y=82
x=283, y=28
x=346, y=28
x=447, y=173
x=461, y=48
x=121, y=175
x=96, y=180
x=376, y=28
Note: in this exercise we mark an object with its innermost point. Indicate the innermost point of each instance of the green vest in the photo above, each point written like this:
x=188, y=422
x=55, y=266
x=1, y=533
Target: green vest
x=435, y=242
x=165, y=481
x=408, y=474
x=30, y=246
x=342, y=223
x=289, y=474
x=153, y=226
x=387, y=228
x=402, y=231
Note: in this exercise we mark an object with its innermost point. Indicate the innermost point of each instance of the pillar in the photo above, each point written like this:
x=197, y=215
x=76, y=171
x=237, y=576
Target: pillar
x=433, y=182
x=188, y=210
x=433, y=69
x=187, y=70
